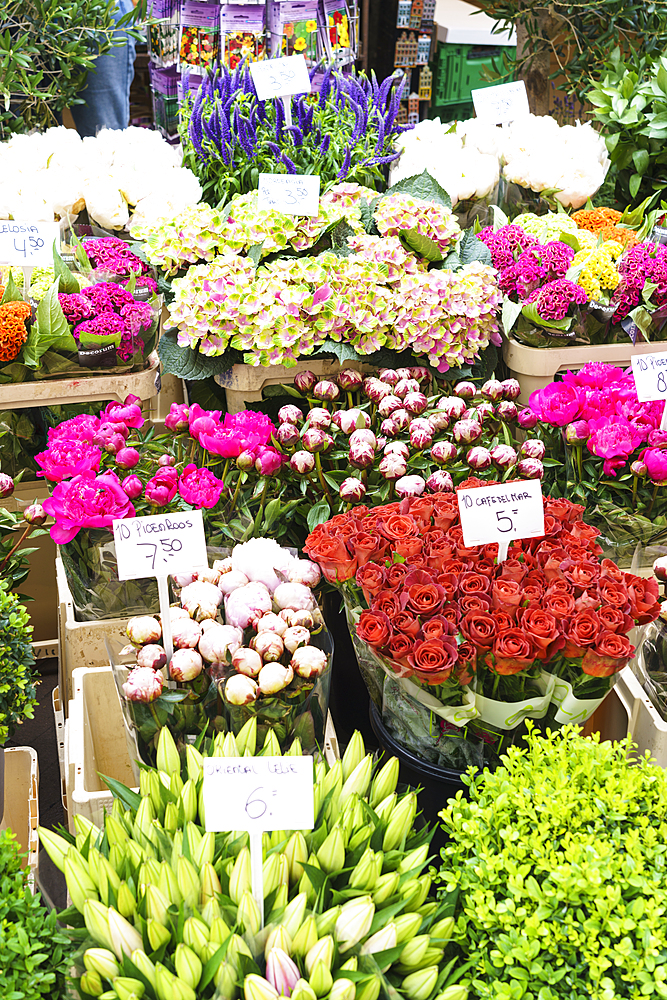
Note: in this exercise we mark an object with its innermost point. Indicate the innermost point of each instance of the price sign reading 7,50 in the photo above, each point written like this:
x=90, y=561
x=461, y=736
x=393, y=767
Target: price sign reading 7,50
x=501, y=513
x=159, y=545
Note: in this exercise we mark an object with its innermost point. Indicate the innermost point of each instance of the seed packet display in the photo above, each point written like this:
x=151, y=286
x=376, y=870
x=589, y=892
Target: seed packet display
x=163, y=41
x=293, y=25
x=243, y=33
x=338, y=34
x=199, y=43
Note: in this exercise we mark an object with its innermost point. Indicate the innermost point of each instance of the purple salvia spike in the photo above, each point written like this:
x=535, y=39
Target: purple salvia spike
x=291, y=169
x=325, y=145
x=343, y=172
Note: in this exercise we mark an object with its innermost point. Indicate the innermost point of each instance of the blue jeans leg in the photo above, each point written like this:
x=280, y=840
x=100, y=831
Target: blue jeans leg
x=107, y=91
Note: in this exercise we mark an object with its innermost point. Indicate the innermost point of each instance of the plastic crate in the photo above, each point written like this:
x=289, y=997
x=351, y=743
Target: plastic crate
x=645, y=724
x=460, y=69
x=244, y=383
x=21, y=812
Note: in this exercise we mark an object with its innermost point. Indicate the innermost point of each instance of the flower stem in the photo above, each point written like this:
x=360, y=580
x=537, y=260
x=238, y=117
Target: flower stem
x=323, y=482
x=496, y=682
x=11, y=552
x=235, y=497
x=635, y=481
x=225, y=470
x=580, y=463
x=648, y=512
x=260, y=512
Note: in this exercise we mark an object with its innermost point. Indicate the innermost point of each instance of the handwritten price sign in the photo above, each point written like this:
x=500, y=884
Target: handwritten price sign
x=159, y=545
x=650, y=372
x=504, y=103
x=291, y=194
x=280, y=77
x=28, y=244
x=258, y=793
x=501, y=513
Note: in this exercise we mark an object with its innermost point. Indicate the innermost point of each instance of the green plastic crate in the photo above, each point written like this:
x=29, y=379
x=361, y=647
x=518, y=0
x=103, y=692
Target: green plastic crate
x=459, y=69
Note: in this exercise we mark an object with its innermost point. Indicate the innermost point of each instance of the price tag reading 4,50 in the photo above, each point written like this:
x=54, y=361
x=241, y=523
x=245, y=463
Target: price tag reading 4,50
x=501, y=513
x=291, y=194
x=280, y=77
x=159, y=545
x=258, y=793
x=650, y=372
x=28, y=244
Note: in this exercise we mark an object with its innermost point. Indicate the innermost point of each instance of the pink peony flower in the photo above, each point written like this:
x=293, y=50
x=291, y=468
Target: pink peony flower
x=143, y=684
x=557, y=404
x=238, y=432
x=613, y=438
x=161, y=489
x=200, y=487
x=268, y=460
x=128, y=413
x=133, y=486
x=127, y=458
x=178, y=417
x=67, y=458
x=81, y=428
x=86, y=501
x=656, y=464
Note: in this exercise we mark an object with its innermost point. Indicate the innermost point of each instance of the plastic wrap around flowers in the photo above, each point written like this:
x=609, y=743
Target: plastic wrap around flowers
x=269, y=658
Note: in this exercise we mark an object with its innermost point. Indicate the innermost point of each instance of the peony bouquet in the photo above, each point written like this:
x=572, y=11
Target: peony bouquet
x=457, y=649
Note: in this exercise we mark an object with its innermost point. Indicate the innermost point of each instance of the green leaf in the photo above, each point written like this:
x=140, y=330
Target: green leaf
x=634, y=185
x=186, y=363
x=12, y=292
x=67, y=283
x=339, y=237
x=413, y=240
x=640, y=158
x=341, y=351
x=50, y=329
x=471, y=248
x=271, y=513
x=255, y=253
x=532, y=315
x=130, y=799
x=499, y=218
x=422, y=186
x=318, y=514
x=510, y=314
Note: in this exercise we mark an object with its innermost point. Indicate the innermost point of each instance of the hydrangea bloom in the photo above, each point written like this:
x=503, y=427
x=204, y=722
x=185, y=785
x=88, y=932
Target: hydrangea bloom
x=546, y=227
x=553, y=300
x=400, y=211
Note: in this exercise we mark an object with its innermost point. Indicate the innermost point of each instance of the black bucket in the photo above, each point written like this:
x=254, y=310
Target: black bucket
x=348, y=699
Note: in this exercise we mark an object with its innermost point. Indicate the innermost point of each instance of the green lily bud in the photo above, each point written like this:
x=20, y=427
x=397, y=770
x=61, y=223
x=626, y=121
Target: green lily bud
x=320, y=979
x=236, y=947
x=117, y=810
x=420, y=985
x=271, y=874
x=295, y=749
x=167, y=883
x=360, y=836
x=343, y=989
x=283, y=870
x=125, y=938
x=280, y=899
x=407, y=925
x=331, y=855
x=101, y=961
x=278, y=938
x=317, y=800
x=225, y=980
x=188, y=966
x=416, y=896
x=358, y=781
x=135, y=853
x=380, y=941
x=305, y=885
x=294, y=913
x=369, y=989
x=385, y=887
x=176, y=783
x=210, y=885
x=327, y=921
x=414, y=859
x=149, y=872
x=157, y=905
x=170, y=987
x=195, y=763
x=219, y=932
x=108, y=995
x=354, y=754
x=333, y=780
x=188, y=801
x=196, y=935
x=79, y=884
x=366, y=872
x=117, y=860
x=386, y=807
x=305, y=937
x=96, y=919
x=427, y=910
x=321, y=771
x=258, y=988
x=143, y=822
x=246, y=738
x=90, y=982
x=296, y=852
x=303, y=991
x=168, y=759
x=350, y=965
x=240, y=880
x=142, y=962
x=400, y=824
x=322, y=951
x=384, y=782
x=354, y=921
x=157, y=934
x=211, y=910
x=192, y=837
x=188, y=882
x=453, y=993
x=414, y=951
x=107, y=879
x=126, y=904
x=177, y=846
x=248, y=914
x=443, y=929
x=206, y=851
x=84, y=826
x=432, y=956
x=115, y=831
x=271, y=746
x=128, y=989
x=230, y=746
x=155, y=794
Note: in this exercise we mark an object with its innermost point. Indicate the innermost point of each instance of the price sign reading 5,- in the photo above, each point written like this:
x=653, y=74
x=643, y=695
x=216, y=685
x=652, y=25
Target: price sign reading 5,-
x=159, y=545
x=258, y=793
x=501, y=513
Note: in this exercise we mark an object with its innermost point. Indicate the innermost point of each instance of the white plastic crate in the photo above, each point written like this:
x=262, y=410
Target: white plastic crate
x=21, y=807
x=645, y=724
x=244, y=383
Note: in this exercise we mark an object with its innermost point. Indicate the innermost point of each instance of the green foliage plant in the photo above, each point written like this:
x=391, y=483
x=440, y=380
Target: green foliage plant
x=18, y=681
x=560, y=861
x=33, y=951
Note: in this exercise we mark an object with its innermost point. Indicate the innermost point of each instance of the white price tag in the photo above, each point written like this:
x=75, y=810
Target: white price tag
x=28, y=243
x=258, y=793
x=650, y=372
x=280, y=77
x=159, y=545
x=501, y=513
x=504, y=103
x=291, y=194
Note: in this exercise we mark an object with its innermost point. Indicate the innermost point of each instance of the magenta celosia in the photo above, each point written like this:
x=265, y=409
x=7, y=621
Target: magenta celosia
x=200, y=487
x=86, y=501
x=138, y=316
x=506, y=244
x=66, y=458
x=554, y=300
x=103, y=325
x=76, y=307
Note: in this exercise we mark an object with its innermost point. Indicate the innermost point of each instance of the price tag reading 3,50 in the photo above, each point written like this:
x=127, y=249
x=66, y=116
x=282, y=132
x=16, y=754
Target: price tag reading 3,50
x=291, y=194
x=28, y=244
x=258, y=793
x=650, y=372
x=159, y=545
x=501, y=513
x=280, y=77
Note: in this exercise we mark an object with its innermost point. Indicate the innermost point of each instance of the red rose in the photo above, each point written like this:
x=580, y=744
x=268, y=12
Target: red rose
x=582, y=632
x=559, y=586
x=611, y=570
x=506, y=596
x=370, y=578
x=456, y=537
x=419, y=576
x=425, y=599
x=490, y=552
x=387, y=602
x=421, y=508
x=398, y=651
x=456, y=566
x=586, y=534
x=445, y=510
x=474, y=602
x=438, y=626
x=449, y=583
x=405, y=622
x=512, y=569
x=408, y=547
x=559, y=603
x=543, y=630
x=589, y=599
x=451, y=612
x=374, y=628
x=609, y=655
x=474, y=583
x=333, y=559
x=364, y=545
x=582, y=575
x=552, y=563
x=438, y=551
x=512, y=652
x=551, y=526
x=479, y=628
x=434, y=659
x=467, y=663
x=399, y=526
x=563, y=510
x=532, y=593
x=395, y=575
x=614, y=620
x=613, y=592
x=644, y=598
x=485, y=567
x=502, y=620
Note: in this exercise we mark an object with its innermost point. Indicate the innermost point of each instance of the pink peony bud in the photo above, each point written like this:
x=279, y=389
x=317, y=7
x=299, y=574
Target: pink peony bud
x=305, y=381
x=287, y=435
x=35, y=514
x=313, y=440
x=479, y=458
x=142, y=629
x=274, y=677
x=132, y=486
x=376, y=390
x=422, y=375
x=392, y=466
x=363, y=434
x=467, y=431
x=319, y=417
x=465, y=390
x=268, y=461
x=176, y=613
x=493, y=389
x=406, y=386
x=443, y=452
x=349, y=379
x=483, y=413
x=639, y=468
x=247, y=604
x=326, y=390
x=287, y=615
x=415, y=403
x=302, y=462
x=208, y=575
x=389, y=428
x=387, y=405
x=218, y=645
x=530, y=468
x=440, y=482
x=178, y=417
x=403, y=373
x=660, y=569
x=453, y=406
x=421, y=433
x=511, y=389
x=506, y=410
x=186, y=665
x=532, y=448
x=185, y=633
x=308, y=662
x=304, y=618
x=269, y=645
x=152, y=656
x=143, y=684
x=305, y=572
x=232, y=581
x=127, y=458
x=352, y=489
x=526, y=419
x=114, y=443
x=389, y=375
x=247, y=661
x=241, y=690
x=410, y=486
x=361, y=455
x=166, y=461
x=271, y=622
x=245, y=461
x=397, y=448
x=401, y=419
x=290, y=414
x=295, y=636
x=349, y=421
x=503, y=456
x=576, y=433
x=281, y=972
x=439, y=421
x=295, y=596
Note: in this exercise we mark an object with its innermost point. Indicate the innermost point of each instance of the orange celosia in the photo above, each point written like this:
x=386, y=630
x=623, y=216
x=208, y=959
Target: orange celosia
x=627, y=237
x=595, y=219
x=13, y=333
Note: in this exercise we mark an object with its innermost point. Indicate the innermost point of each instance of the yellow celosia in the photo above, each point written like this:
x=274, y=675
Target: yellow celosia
x=599, y=274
